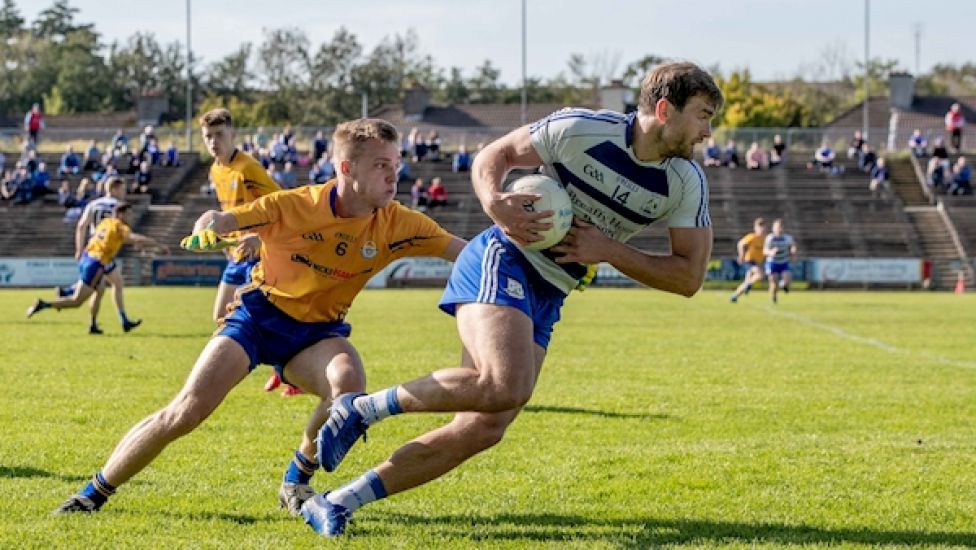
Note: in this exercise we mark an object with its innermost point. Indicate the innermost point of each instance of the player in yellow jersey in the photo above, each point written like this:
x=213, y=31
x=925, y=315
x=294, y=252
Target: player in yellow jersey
x=109, y=236
x=320, y=245
x=751, y=257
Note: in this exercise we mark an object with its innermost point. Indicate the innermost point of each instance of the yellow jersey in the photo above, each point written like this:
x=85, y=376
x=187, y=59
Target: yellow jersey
x=240, y=181
x=109, y=236
x=314, y=263
x=754, y=248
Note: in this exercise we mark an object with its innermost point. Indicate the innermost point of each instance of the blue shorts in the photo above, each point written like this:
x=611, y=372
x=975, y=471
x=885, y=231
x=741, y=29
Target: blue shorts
x=238, y=273
x=269, y=335
x=91, y=270
x=775, y=268
x=492, y=270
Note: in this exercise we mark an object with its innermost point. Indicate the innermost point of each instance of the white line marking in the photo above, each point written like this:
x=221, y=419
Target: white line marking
x=874, y=342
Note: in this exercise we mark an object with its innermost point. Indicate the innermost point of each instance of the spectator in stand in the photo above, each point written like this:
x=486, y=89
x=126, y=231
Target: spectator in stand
x=20, y=187
x=34, y=123
x=172, y=155
x=879, y=185
x=92, y=155
x=712, y=154
x=41, y=178
x=961, y=178
x=936, y=174
x=275, y=175
x=145, y=138
x=107, y=165
x=291, y=150
x=918, y=144
x=856, y=145
x=462, y=160
x=264, y=157
x=403, y=171
x=120, y=144
x=287, y=134
x=86, y=191
x=866, y=158
x=419, y=146
x=278, y=149
x=289, y=178
x=756, y=157
x=954, y=123
x=135, y=160
x=323, y=170
x=437, y=194
x=260, y=138
x=319, y=146
x=730, y=157
x=70, y=164
x=247, y=146
x=153, y=152
x=65, y=197
x=143, y=177
x=434, y=146
x=30, y=161
x=418, y=195
x=940, y=151
x=777, y=151
x=823, y=158
x=7, y=185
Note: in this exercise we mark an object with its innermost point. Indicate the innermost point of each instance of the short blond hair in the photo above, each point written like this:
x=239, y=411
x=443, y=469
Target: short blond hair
x=216, y=117
x=349, y=137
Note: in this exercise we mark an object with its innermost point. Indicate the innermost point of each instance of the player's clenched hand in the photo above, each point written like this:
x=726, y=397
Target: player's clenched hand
x=205, y=240
x=248, y=246
x=517, y=220
x=584, y=244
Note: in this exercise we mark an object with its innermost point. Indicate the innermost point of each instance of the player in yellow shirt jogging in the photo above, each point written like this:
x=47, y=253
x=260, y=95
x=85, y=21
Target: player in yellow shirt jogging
x=109, y=236
x=319, y=247
x=751, y=257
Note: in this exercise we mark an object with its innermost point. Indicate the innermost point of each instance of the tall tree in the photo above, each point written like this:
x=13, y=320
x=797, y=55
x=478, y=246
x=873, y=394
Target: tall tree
x=11, y=23
x=58, y=21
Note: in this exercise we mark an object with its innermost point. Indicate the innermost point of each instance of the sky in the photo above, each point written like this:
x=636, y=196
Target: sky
x=774, y=39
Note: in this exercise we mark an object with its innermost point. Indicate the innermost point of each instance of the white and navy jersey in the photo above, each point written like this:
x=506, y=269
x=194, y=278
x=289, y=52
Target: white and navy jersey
x=783, y=243
x=100, y=209
x=590, y=153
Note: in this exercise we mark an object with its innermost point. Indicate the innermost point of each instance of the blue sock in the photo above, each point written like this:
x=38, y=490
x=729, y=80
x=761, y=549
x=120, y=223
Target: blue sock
x=377, y=406
x=122, y=317
x=362, y=490
x=98, y=490
x=300, y=469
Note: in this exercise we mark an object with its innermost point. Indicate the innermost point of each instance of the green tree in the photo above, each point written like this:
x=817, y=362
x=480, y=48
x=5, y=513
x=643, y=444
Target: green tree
x=484, y=85
x=58, y=21
x=232, y=75
x=11, y=23
x=455, y=90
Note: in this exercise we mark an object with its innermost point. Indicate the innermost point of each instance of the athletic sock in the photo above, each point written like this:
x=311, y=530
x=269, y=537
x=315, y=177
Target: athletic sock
x=360, y=491
x=98, y=490
x=377, y=406
x=300, y=469
x=122, y=318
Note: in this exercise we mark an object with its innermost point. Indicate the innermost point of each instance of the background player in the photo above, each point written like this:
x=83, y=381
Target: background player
x=750, y=249
x=780, y=250
x=110, y=234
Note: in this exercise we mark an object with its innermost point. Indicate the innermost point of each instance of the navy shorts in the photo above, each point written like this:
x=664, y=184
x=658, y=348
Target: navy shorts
x=777, y=267
x=269, y=335
x=492, y=270
x=238, y=273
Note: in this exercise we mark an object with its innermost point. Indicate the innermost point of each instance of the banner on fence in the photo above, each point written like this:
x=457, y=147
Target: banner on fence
x=866, y=270
x=38, y=271
x=187, y=271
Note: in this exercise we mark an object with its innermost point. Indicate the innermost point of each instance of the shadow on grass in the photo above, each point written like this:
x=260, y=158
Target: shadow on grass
x=14, y=472
x=644, y=532
x=239, y=519
x=594, y=412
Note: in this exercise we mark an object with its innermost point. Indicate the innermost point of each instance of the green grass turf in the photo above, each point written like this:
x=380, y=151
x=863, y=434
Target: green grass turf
x=833, y=419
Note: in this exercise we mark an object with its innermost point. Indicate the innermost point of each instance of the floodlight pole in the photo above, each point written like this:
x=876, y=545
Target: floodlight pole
x=525, y=93
x=867, y=67
x=189, y=84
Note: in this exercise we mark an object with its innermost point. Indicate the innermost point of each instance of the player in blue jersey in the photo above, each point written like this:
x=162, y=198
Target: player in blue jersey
x=623, y=173
x=780, y=250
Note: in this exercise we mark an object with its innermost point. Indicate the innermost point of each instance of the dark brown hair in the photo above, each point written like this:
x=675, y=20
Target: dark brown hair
x=677, y=82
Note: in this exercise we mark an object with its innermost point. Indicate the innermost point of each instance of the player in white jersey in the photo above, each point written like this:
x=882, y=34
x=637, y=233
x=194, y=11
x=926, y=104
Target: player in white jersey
x=780, y=250
x=96, y=211
x=623, y=172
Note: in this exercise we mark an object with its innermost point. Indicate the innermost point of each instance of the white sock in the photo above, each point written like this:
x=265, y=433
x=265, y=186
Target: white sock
x=377, y=406
x=362, y=490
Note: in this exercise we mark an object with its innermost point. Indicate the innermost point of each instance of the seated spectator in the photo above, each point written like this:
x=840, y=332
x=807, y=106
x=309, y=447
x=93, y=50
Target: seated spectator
x=879, y=179
x=30, y=161
x=918, y=144
x=823, y=158
x=41, y=178
x=140, y=184
x=135, y=160
x=119, y=144
x=866, y=158
x=247, y=145
x=323, y=170
x=260, y=138
x=278, y=149
x=70, y=163
x=291, y=150
x=403, y=171
x=7, y=185
x=172, y=155
x=153, y=153
x=712, y=154
x=264, y=157
x=85, y=192
x=437, y=194
x=419, y=148
x=462, y=160
x=854, y=148
x=92, y=154
x=939, y=150
x=106, y=169
x=937, y=173
x=65, y=197
x=412, y=138
x=319, y=146
x=17, y=185
x=434, y=146
x=276, y=175
x=289, y=178
x=777, y=151
x=961, y=178
x=287, y=134
x=730, y=157
x=755, y=157
x=145, y=138
x=418, y=195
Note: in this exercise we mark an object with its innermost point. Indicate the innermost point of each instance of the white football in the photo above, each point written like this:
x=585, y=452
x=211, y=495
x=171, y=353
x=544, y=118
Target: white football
x=555, y=198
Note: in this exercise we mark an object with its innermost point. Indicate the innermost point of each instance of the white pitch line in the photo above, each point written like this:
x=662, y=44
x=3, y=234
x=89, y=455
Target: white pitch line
x=874, y=342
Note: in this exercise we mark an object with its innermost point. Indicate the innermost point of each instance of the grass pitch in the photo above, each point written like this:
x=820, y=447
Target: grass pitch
x=832, y=419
